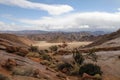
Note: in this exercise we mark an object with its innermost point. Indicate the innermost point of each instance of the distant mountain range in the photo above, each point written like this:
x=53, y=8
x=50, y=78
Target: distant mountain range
x=24, y=32
x=58, y=36
x=43, y=32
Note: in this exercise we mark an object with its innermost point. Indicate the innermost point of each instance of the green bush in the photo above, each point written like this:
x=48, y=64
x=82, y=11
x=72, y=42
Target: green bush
x=34, y=48
x=78, y=57
x=66, y=66
x=46, y=57
x=53, y=48
x=41, y=52
x=91, y=69
x=46, y=51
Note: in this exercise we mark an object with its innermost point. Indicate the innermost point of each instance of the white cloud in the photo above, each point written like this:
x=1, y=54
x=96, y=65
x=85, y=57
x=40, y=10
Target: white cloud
x=16, y=27
x=4, y=26
x=51, y=9
x=75, y=21
x=12, y=26
x=86, y=20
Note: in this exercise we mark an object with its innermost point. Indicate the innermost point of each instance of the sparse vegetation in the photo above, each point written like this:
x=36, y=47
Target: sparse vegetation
x=79, y=68
x=63, y=45
x=34, y=48
x=53, y=48
x=93, y=55
x=28, y=71
x=41, y=52
x=23, y=71
x=90, y=69
x=64, y=64
x=33, y=54
x=78, y=61
x=75, y=70
x=46, y=51
x=46, y=57
x=65, y=67
x=78, y=57
x=45, y=62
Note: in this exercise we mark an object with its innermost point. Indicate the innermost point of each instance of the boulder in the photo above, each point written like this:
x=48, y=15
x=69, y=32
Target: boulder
x=9, y=64
x=17, y=50
x=89, y=77
x=3, y=77
x=2, y=47
x=12, y=49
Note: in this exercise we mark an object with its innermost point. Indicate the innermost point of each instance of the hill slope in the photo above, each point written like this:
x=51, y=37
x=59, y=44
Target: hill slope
x=15, y=39
x=112, y=39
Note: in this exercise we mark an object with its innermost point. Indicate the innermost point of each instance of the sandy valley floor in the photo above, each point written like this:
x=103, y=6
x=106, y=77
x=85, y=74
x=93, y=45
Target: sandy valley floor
x=45, y=45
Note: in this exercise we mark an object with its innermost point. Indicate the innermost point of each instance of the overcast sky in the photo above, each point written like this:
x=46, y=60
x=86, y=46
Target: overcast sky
x=69, y=15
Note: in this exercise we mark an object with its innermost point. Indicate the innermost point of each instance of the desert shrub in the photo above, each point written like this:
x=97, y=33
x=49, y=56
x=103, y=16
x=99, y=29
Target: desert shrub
x=46, y=51
x=93, y=55
x=53, y=48
x=65, y=67
x=52, y=66
x=93, y=50
x=41, y=52
x=75, y=70
x=33, y=54
x=22, y=71
x=34, y=48
x=2, y=77
x=90, y=69
x=45, y=62
x=78, y=61
x=78, y=57
x=64, y=45
x=46, y=57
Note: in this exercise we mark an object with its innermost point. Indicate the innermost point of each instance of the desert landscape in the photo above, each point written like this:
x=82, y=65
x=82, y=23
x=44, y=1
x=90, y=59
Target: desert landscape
x=59, y=39
x=23, y=58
